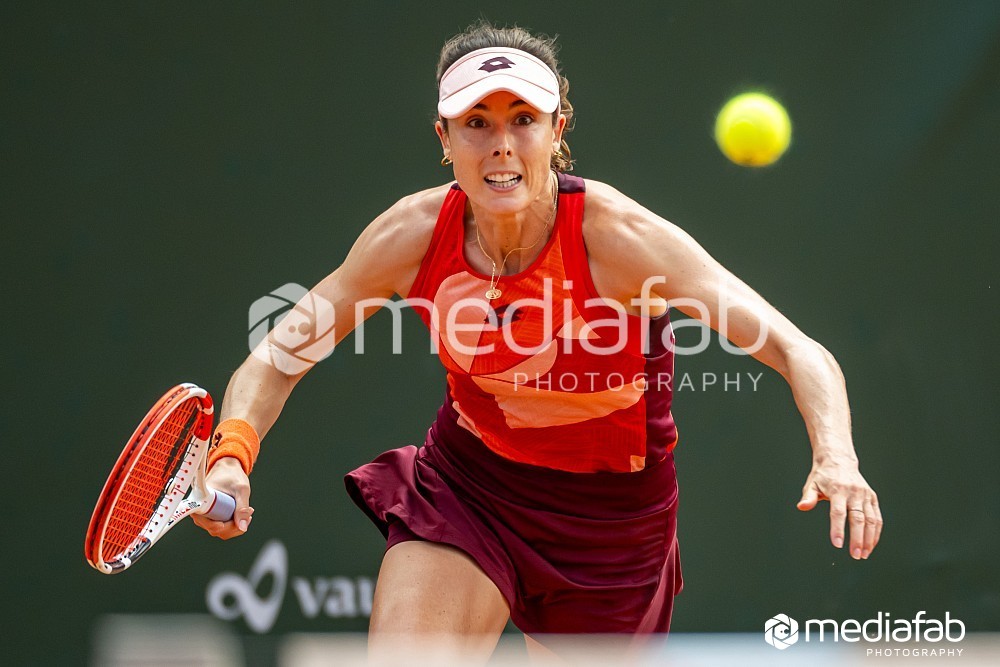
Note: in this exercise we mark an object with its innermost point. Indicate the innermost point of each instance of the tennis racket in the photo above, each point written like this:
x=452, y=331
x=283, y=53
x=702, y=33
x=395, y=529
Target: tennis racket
x=147, y=492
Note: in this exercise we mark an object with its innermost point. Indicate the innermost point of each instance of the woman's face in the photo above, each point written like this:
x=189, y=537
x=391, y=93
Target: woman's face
x=502, y=150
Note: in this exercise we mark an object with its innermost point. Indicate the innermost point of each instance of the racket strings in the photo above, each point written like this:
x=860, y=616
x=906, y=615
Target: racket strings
x=146, y=485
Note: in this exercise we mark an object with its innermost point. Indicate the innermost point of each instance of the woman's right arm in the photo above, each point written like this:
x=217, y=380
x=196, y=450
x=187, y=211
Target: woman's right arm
x=383, y=261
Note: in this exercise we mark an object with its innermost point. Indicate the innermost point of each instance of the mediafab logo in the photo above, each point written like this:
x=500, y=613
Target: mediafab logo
x=781, y=630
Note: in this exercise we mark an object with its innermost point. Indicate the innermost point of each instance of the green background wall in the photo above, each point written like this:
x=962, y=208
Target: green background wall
x=164, y=165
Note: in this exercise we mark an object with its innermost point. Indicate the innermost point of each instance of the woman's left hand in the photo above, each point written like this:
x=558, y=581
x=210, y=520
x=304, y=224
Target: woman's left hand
x=851, y=499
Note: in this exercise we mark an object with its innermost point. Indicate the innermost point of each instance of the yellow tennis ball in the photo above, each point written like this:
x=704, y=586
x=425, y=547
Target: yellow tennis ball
x=753, y=130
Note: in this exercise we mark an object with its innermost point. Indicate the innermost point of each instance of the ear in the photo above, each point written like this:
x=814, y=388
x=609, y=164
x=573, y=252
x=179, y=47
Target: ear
x=557, y=133
x=443, y=136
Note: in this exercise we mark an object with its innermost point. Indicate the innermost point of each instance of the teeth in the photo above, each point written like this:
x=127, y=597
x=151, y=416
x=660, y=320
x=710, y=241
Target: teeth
x=503, y=179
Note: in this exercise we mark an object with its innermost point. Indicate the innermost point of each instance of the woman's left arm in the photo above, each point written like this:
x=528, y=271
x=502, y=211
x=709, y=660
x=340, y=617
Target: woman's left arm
x=635, y=256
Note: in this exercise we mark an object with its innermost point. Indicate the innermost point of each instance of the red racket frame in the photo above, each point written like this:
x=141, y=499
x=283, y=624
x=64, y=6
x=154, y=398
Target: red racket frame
x=132, y=453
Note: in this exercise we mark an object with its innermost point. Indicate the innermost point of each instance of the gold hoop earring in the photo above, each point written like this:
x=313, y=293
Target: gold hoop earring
x=445, y=161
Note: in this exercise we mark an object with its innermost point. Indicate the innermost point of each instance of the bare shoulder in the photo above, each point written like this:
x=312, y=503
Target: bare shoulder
x=627, y=243
x=615, y=225
x=407, y=225
x=610, y=214
x=388, y=252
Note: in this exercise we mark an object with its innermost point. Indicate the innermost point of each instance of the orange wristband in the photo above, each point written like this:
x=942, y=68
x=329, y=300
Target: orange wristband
x=235, y=438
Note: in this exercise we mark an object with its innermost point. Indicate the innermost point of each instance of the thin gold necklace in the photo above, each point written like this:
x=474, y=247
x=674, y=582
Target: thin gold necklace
x=494, y=293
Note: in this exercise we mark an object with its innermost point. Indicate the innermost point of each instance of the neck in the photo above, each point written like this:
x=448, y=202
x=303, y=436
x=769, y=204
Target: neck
x=501, y=236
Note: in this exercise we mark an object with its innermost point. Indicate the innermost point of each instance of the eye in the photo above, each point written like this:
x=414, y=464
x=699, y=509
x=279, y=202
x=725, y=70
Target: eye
x=476, y=122
x=524, y=119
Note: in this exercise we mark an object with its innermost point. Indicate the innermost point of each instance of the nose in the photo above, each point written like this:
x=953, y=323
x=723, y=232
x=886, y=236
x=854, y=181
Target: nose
x=503, y=146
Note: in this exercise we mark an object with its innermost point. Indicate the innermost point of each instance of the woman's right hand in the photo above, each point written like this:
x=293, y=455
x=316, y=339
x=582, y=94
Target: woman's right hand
x=227, y=475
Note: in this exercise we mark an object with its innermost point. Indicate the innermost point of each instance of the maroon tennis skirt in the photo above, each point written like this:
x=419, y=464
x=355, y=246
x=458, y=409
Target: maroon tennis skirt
x=571, y=552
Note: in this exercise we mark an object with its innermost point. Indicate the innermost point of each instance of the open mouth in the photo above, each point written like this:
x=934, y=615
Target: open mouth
x=503, y=180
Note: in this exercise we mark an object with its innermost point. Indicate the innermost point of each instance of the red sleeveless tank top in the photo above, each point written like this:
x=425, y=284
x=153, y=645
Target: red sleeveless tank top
x=549, y=373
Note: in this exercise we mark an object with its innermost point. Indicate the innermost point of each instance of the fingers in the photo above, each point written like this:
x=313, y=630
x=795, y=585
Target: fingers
x=227, y=476
x=869, y=538
x=226, y=530
x=244, y=513
x=810, y=496
x=856, y=520
x=873, y=525
x=242, y=517
x=853, y=506
x=864, y=519
x=838, y=514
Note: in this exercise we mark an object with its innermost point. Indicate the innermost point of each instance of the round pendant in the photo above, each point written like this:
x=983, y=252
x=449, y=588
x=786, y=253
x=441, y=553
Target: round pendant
x=493, y=293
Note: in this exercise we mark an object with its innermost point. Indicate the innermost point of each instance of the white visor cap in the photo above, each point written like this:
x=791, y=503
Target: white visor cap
x=486, y=71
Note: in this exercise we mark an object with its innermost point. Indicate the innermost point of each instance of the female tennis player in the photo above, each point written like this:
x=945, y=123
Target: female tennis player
x=545, y=491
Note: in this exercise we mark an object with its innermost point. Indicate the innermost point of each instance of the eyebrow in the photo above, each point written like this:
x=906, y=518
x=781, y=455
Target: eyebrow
x=512, y=104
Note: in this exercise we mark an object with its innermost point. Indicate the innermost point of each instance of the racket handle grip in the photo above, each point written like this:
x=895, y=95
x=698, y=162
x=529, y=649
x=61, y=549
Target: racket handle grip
x=223, y=507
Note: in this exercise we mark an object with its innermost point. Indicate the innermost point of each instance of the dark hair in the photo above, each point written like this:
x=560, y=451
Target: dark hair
x=482, y=35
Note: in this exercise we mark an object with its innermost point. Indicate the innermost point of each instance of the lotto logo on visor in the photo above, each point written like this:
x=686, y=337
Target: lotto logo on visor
x=487, y=71
x=497, y=63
